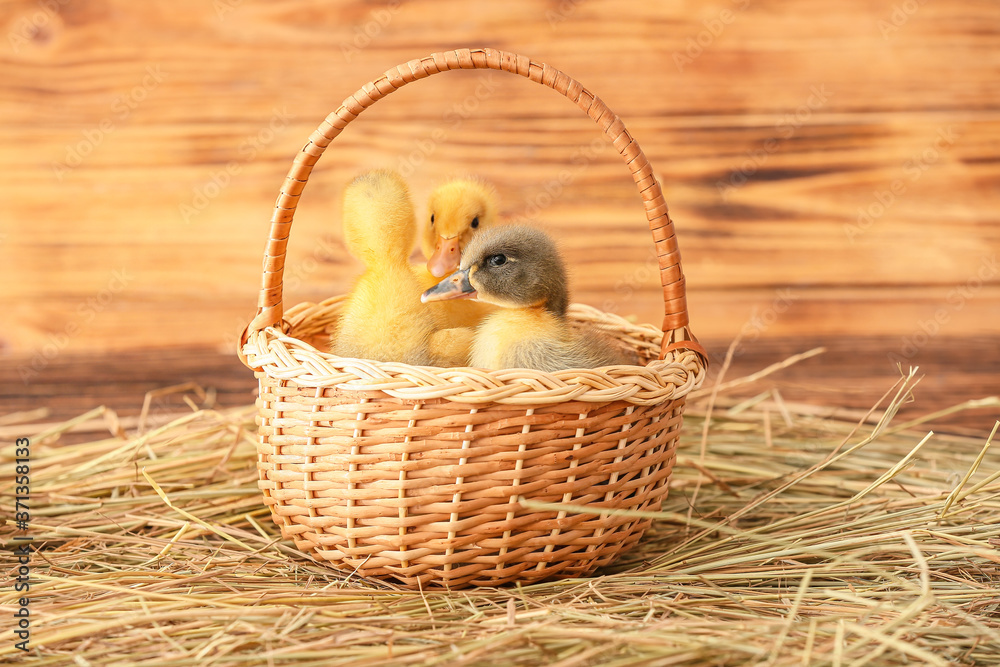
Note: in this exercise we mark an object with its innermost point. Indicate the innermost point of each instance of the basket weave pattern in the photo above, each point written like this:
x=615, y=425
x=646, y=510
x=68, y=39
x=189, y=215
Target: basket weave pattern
x=417, y=474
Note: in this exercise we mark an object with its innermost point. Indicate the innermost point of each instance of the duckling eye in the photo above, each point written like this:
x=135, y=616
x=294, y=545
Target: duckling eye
x=432, y=219
x=496, y=260
x=475, y=222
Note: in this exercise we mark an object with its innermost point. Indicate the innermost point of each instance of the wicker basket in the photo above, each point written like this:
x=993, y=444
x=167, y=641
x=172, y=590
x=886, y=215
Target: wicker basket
x=422, y=475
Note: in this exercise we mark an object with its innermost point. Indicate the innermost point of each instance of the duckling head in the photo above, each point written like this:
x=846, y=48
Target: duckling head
x=512, y=266
x=457, y=210
x=379, y=222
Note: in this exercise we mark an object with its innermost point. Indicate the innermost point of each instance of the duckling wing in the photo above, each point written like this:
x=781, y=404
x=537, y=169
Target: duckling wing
x=594, y=349
x=550, y=354
x=384, y=320
x=523, y=338
x=543, y=354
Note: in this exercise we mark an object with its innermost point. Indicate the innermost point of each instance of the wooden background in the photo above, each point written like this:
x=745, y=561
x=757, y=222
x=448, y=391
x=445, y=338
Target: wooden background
x=832, y=168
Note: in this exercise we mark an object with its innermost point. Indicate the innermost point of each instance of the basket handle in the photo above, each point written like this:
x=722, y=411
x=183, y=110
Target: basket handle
x=675, y=316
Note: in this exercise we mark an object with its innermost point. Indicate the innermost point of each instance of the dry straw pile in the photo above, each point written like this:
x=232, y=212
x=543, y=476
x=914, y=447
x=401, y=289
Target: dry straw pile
x=789, y=538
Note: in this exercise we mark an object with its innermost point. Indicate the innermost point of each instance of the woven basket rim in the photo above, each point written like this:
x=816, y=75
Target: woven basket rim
x=280, y=355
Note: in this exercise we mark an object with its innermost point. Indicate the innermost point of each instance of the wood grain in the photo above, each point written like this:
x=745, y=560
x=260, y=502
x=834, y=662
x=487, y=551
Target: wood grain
x=829, y=174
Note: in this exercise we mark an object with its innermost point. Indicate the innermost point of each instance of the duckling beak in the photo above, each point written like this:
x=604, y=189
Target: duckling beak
x=447, y=254
x=455, y=286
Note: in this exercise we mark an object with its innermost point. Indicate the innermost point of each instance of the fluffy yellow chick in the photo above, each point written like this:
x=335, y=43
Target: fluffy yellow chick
x=457, y=211
x=383, y=318
x=518, y=269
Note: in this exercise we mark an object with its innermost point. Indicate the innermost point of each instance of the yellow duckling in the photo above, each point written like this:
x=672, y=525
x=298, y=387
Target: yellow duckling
x=519, y=269
x=383, y=318
x=457, y=211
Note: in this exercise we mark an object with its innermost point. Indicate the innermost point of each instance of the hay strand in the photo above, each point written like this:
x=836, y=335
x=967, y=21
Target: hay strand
x=812, y=541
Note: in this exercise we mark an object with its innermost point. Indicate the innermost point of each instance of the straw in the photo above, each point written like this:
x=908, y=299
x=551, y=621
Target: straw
x=826, y=541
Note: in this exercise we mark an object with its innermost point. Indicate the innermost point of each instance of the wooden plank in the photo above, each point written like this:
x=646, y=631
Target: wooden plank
x=307, y=46
x=915, y=242
x=850, y=160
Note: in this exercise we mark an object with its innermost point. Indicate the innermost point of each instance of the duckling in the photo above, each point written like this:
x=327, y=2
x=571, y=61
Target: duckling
x=457, y=211
x=518, y=269
x=383, y=318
